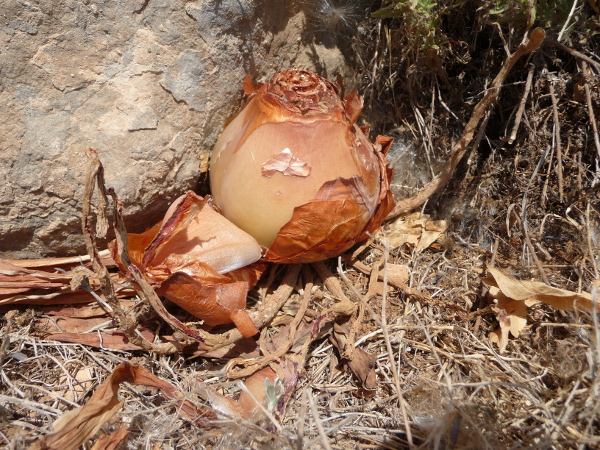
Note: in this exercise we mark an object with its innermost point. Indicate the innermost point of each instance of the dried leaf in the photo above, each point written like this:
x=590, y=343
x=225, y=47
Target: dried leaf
x=64, y=262
x=512, y=319
x=113, y=440
x=513, y=296
x=79, y=425
x=20, y=285
x=416, y=229
x=19, y=280
x=361, y=364
x=62, y=296
x=287, y=164
x=532, y=292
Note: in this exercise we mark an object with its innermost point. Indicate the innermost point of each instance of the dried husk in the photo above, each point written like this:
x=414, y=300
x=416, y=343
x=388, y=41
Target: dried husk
x=295, y=171
x=200, y=261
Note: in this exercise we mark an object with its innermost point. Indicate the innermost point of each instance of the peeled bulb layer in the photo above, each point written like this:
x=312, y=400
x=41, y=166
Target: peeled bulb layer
x=200, y=261
x=295, y=171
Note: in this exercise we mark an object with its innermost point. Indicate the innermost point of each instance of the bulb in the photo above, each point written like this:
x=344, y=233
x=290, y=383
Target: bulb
x=294, y=155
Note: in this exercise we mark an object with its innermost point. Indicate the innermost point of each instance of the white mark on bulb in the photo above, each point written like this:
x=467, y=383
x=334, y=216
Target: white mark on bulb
x=287, y=164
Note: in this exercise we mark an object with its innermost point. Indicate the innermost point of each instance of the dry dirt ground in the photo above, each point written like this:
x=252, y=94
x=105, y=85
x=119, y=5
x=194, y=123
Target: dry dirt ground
x=457, y=364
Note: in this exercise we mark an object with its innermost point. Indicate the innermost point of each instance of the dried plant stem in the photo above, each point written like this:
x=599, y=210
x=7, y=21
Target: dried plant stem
x=406, y=289
x=95, y=176
x=374, y=71
x=318, y=424
x=566, y=24
x=524, y=223
x=519, y=115
x=362, y=305
x=386, y=337
x=335, y=287
x=588, y=95
x=301, y=422
x=559, y=164
x=459, y=150
x=331, y=282
x=574, y=53
x=538, y=264
x=544, y=195
x=589, y=240
x=373, y=278
x=95, y=172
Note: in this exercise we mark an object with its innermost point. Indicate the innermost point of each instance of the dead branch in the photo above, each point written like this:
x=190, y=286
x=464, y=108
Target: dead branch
x=519, y=115
x=575, y=53
x=95, y=176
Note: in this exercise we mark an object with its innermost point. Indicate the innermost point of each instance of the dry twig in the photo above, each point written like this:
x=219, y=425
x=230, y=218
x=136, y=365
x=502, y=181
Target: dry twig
x=519, y=115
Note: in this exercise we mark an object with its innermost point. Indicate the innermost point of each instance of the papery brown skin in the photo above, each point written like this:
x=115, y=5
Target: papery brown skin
x=295, y=171
x=182, y=257
x=246, y=407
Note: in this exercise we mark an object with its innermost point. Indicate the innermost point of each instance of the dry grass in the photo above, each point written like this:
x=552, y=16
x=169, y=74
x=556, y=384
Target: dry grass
x=526, y=201
x=456, y=389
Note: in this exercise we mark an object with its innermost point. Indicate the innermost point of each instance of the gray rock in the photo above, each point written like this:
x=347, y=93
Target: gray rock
x=149, y=84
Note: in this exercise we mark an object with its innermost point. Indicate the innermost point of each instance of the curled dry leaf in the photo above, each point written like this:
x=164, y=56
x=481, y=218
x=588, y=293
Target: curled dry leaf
x=532, y=292
x=361, y=364
x=199, y=260
x=512, y=319
x=513, y=296
x=295, y=171
x=79, y=425
x=112, y=441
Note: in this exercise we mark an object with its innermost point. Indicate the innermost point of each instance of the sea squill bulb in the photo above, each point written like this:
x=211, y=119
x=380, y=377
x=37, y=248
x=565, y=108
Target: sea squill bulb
x=295, y=180
x=294, y=170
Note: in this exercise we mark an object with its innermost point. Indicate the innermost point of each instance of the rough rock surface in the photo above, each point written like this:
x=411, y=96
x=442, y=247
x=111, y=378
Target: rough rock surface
x=149, y=84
